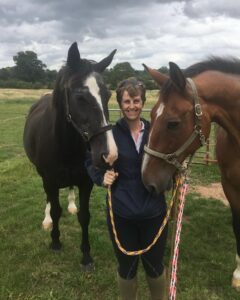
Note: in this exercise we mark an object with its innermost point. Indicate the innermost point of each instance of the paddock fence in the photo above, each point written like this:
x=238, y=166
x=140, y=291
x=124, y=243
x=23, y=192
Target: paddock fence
x=205, y=155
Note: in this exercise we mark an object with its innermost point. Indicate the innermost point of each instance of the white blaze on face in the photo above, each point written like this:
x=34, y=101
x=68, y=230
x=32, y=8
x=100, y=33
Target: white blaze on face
x=159, y=110
x=158, y=114
x=93, y=87
x=146, y=156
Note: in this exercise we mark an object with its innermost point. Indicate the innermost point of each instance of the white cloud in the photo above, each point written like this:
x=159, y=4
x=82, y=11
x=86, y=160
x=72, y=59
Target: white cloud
x=204, y=8
x=153, y=33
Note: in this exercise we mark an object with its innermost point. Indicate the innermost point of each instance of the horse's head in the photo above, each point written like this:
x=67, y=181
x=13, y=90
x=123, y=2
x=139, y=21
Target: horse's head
x=85, y=100
x=179, y=124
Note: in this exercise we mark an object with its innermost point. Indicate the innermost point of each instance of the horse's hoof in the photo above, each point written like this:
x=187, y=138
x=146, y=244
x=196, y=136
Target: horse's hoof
x=87, y=268
x=56, y=247
x=236, y=284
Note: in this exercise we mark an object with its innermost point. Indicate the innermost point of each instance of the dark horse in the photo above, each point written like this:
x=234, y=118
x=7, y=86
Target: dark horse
x=59, y=129
x=189, y=101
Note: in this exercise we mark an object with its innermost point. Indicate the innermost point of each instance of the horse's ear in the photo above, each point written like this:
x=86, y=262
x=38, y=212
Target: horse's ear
x=73, y=59
x=103, y=64
x=156, y=75
x=177, y=76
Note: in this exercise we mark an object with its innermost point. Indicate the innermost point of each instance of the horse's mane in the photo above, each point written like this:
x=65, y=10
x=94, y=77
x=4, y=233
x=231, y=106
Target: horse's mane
x=226, y=65
x=214, y=63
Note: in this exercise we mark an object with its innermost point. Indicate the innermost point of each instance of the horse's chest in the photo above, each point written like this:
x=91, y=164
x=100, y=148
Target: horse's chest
x=70, y=175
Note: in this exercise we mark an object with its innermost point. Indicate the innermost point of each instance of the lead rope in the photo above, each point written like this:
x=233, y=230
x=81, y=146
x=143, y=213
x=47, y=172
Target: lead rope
x=177, y=227
x=139, y=252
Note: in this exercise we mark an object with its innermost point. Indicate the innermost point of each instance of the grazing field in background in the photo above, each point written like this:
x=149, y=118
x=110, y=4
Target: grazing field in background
x=29, y=270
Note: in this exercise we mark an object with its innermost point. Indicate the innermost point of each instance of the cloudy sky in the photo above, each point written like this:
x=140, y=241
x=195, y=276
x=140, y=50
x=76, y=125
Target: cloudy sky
x=153, y=32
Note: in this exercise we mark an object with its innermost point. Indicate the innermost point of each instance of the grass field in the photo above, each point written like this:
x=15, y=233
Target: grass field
x=30, y=271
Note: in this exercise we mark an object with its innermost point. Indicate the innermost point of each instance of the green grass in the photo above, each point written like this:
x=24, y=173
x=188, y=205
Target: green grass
x=29, y=270
x=204, y=175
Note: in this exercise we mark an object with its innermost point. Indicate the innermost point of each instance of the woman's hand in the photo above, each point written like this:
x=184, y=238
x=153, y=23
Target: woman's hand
x=109, y=177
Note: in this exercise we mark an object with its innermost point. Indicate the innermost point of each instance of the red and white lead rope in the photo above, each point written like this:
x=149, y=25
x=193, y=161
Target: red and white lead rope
x=173, y=279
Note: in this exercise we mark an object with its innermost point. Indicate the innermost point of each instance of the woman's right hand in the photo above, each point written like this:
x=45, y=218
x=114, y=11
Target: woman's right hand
x=109, y=177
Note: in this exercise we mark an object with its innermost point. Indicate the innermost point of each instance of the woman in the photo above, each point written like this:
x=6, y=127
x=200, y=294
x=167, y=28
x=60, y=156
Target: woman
x=138, y=214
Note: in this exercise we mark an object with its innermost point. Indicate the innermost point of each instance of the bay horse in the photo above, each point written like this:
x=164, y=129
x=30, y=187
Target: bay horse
x=189, y=100
x=60, y=128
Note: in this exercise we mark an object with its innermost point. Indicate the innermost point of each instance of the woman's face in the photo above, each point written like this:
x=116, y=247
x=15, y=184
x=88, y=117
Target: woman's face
x=131, y=106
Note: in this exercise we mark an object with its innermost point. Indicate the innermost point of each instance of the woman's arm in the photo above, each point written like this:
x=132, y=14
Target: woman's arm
x=95, y=174
x=99, y=177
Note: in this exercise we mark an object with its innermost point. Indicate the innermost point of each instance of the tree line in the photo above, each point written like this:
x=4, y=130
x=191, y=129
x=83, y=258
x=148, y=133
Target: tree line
x=30, y=72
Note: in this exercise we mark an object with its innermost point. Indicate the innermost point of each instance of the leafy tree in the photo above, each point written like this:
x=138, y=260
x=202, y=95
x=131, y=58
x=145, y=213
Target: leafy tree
x=50, y=76
x=7, y=73
x=28, y=67
x=118, y=73
x=124, y=70
x=164, y=70
x=30, y=72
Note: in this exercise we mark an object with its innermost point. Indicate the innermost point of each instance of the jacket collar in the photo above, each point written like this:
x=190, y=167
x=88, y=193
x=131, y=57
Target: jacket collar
x=123, y=124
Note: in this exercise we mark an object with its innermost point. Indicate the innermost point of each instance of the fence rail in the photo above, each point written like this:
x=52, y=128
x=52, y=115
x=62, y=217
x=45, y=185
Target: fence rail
x=205, y=155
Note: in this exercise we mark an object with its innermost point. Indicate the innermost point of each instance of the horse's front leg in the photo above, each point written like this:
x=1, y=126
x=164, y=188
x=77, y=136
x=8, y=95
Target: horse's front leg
x=84, y=218
x=233, y=196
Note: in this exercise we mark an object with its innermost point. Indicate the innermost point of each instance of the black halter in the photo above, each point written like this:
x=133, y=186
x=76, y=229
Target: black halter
x=83, y=132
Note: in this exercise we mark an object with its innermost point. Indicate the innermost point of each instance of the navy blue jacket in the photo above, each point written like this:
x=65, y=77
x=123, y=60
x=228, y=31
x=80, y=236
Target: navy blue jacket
x=130, y=199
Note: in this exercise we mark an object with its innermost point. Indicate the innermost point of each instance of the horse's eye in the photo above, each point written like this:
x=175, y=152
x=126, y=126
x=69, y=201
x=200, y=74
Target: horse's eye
x=173, y=125
x=81, y=97
x=80, y=92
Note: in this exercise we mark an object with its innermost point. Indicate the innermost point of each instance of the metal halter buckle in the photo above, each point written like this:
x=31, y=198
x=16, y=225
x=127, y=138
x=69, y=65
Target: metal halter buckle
x=69, y=118
x=86, y=134
x=198, y=110
x=171, y=158
x=202, y=138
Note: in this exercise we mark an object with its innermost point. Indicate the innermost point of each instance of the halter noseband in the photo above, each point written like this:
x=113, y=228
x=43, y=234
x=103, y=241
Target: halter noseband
x=84, y=133
x=171, y=158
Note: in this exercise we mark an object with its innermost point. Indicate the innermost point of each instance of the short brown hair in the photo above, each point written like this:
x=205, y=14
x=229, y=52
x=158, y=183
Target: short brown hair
x=133, y=86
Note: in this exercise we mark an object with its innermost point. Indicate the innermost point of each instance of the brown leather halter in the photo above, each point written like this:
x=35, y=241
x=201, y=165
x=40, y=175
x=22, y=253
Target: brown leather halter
x=171, y=158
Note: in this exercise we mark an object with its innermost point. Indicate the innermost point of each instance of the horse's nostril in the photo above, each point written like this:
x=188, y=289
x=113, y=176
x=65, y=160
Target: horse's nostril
x=104, y=160
x=109, y=158
x=104, y=157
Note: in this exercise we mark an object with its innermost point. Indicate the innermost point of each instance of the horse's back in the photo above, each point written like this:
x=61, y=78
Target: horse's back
x=41, y=105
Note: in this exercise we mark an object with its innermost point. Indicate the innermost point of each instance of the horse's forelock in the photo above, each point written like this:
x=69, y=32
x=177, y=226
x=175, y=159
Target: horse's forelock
x=166, y=89
x=67, y=76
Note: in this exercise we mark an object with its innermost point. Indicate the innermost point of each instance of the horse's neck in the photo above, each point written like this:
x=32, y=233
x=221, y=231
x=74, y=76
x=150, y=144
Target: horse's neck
x=68, y=139
x=70, y=145
x=222, y=96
